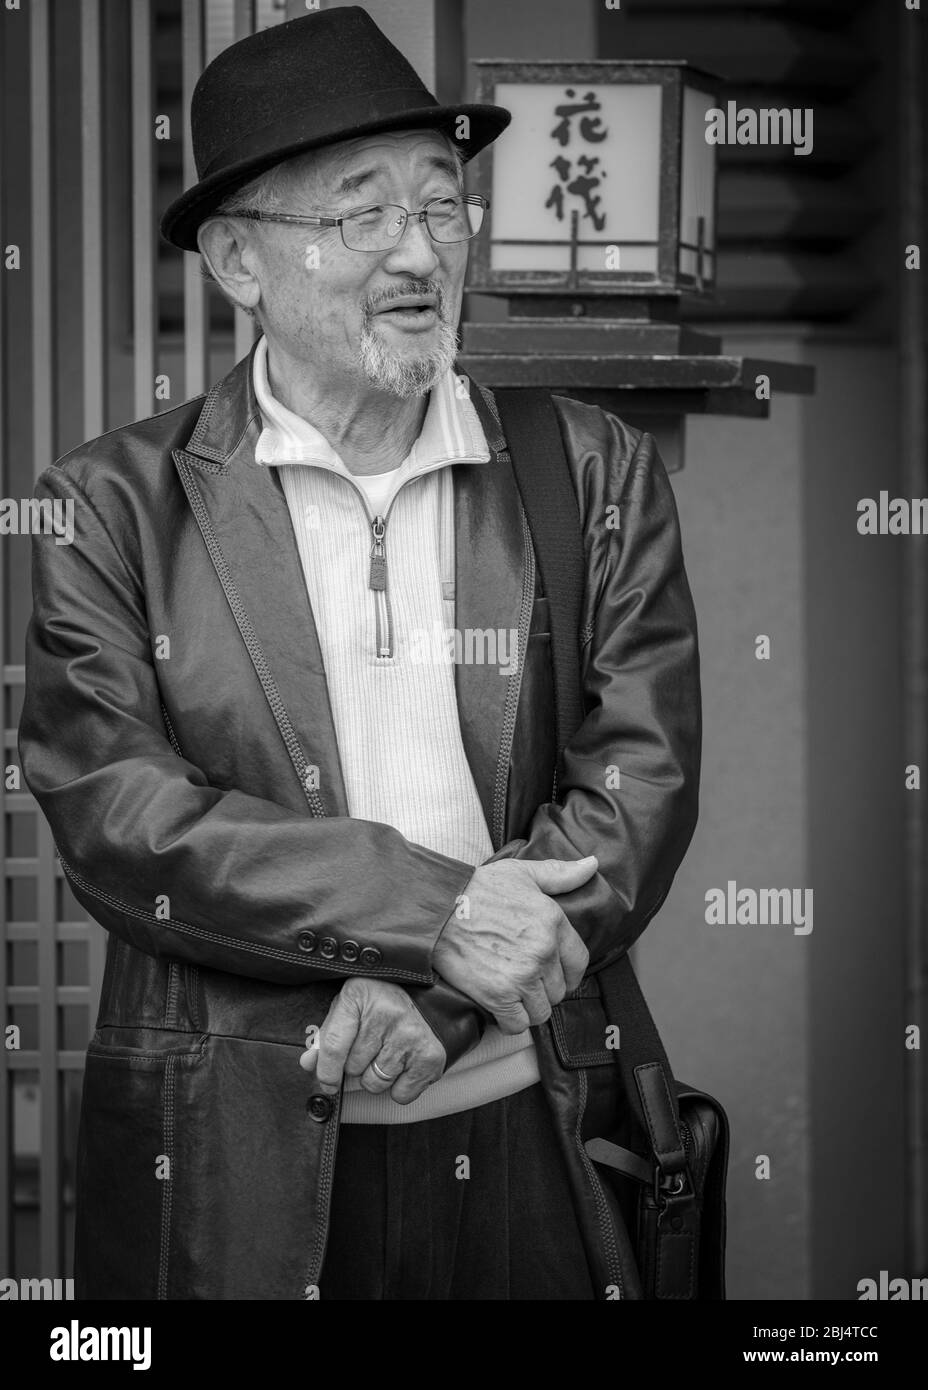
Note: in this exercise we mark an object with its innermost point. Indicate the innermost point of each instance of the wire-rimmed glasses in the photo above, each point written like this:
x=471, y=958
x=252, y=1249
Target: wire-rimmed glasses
x=380, y=226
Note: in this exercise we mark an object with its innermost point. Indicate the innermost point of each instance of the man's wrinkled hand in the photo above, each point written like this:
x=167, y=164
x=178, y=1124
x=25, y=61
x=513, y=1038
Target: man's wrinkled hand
x=374, y=1021
x=514, y=952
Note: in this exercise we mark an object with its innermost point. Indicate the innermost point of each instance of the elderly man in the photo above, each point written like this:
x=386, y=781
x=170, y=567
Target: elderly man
x=310, y=839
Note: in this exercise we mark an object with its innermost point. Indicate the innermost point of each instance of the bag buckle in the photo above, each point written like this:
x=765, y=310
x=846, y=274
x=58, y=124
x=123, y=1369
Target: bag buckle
x=667, y=1186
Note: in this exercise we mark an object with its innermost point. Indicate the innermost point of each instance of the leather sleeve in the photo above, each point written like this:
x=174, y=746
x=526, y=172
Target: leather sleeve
x=642, y=701
x=174, y=866
x=453, y=1017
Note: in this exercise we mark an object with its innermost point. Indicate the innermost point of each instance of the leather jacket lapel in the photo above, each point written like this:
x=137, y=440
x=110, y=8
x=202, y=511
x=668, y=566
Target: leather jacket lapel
x=246, y=525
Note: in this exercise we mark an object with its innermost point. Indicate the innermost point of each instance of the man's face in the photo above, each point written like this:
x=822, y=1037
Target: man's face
x=330, y=307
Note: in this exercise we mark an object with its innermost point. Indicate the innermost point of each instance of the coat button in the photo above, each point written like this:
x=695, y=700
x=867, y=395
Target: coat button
x=328, y=947
x=306, y=941
x=371, y=956
x=320, y=1108
x=350, y=951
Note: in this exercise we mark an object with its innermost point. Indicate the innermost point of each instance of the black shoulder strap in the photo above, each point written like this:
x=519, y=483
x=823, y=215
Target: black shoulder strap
x=532, y=430
x=536, y=450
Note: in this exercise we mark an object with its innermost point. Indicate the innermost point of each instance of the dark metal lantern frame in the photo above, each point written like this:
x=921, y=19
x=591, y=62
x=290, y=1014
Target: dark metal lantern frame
x=673, y=77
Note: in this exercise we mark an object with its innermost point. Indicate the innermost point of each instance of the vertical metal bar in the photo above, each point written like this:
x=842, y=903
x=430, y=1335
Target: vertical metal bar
x=196, y=325
x=143, y=242
x=448, y=78
x=6, y=1154
x=246, y=20
x=700, y=250
x=572, y=272
x=246, y=17
x=43, y=443
x=93, y=319
x=671, y=148
x=913, y=351
x=92, y=220
x=5, y=1145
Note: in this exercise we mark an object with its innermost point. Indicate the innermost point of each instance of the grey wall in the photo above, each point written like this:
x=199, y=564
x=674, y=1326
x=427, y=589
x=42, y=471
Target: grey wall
x=856, y=760
x=732, y=1001
x=801, y=1037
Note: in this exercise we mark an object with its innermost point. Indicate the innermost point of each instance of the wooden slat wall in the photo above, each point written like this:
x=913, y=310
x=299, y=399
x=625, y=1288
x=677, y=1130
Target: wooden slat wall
x=108, y=185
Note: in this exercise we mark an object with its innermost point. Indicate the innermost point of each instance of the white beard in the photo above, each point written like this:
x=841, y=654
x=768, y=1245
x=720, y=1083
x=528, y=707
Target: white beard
x=406, y=376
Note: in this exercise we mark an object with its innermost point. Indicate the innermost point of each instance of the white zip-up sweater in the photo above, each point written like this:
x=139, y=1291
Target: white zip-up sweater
x=391, y=687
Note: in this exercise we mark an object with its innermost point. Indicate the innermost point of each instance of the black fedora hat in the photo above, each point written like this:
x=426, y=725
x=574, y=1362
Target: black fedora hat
x=328, y=76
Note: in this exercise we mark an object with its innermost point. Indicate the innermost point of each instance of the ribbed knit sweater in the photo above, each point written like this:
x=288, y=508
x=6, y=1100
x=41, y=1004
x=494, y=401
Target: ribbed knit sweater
x=391, y=683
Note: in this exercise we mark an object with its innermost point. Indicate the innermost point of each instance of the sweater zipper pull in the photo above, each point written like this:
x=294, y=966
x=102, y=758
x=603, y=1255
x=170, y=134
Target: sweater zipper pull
x=378, y=582
x=378, y=575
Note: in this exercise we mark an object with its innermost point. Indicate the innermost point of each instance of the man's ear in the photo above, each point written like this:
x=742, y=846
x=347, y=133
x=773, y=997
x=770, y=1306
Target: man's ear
x=225, y=246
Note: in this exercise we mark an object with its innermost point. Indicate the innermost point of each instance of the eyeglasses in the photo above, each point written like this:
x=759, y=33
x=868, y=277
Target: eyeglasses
x=381, y=226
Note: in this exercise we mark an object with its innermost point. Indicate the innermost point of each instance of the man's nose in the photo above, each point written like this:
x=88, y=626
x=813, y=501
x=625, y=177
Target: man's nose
x=415, y=252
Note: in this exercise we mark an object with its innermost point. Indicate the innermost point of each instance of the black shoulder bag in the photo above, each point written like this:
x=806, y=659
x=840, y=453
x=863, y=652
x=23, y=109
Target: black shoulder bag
x=672, y=1181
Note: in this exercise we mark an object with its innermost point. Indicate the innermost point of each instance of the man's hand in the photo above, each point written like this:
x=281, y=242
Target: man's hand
x=374, y=1021
x=515, y=953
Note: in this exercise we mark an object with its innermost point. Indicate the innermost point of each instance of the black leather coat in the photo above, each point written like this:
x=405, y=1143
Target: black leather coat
x=178, y=736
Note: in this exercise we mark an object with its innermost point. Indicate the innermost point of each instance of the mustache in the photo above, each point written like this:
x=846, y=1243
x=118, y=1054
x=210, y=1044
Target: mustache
x=409, y=287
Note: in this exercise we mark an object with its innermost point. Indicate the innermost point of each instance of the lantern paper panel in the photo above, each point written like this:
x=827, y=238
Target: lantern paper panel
x=697, y=190
x=583, y=148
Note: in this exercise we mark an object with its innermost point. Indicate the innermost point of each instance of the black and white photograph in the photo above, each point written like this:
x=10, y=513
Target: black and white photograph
x=464, y=619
